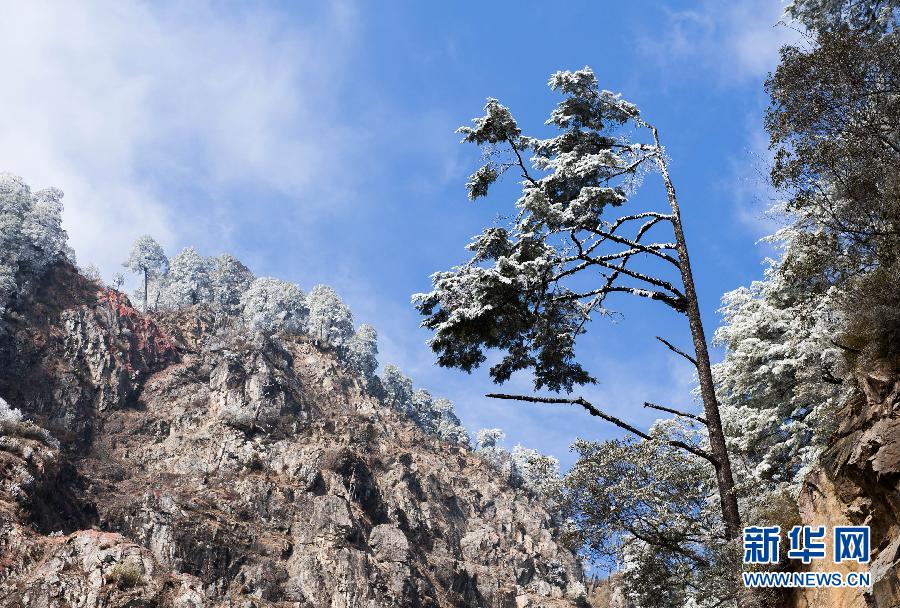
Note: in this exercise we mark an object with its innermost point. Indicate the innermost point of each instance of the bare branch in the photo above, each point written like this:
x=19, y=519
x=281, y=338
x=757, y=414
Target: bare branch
x=619, y=269
x=643, y=248
x=583, y=254
x=670, y=410
x=670, y=545
x=678, y=351
x=675, y=303
x=638, y=216
x=598, y=300
x=640, y=276
x=593, y=411
x=521, y=163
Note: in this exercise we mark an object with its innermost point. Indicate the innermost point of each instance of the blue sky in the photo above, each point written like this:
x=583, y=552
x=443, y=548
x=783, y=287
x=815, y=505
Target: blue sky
x=315, y=141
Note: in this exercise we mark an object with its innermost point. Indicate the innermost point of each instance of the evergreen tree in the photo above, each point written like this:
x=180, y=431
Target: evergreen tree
x=271, y=305
x=148, y=259
x=92, y=272
x=649, y=508
x=188, y=281
x=530, y=289
x=230, y=279
x=858, y=15
x=434, y=416
x=361, y=352
x=31, y=235
x=330, y=322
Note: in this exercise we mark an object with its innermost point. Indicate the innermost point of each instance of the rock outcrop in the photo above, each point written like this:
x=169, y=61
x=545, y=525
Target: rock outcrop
x=189, y=464
x=858, y=483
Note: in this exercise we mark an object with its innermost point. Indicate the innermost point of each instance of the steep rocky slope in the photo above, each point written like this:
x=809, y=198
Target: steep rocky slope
x=858, y=483
x=201, y=466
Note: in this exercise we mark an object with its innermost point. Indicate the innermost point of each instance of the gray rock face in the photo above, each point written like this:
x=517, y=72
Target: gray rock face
x=204, y=467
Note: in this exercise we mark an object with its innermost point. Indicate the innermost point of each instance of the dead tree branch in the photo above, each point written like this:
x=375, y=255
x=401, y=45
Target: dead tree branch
x=594, y=411
x=677, y=350
x=670, y=410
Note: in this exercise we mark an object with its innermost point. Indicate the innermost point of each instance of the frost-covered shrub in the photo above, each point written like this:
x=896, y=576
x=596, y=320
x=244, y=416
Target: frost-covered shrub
x=330, y=322
x=539, y=473
x=13, y=424
x=9, y=415
x=361, y=352
x=434, y=416
x=230, y=279
x=92, y=273
x=524, y=466
x=31, y=234
x=576, y=591
x=188, y=281
x=271, y=305
x=125, y=575
x=487, y=445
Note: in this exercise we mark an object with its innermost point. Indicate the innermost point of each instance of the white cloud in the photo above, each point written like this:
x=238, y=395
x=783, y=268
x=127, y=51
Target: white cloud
x=738, y=39
x=749, y=186
x=114, y=103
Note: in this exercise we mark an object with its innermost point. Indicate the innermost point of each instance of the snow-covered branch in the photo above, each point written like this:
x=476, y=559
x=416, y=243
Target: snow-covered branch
x=594, y=411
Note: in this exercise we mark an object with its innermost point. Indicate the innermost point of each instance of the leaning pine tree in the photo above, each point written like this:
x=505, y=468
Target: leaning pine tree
x=530, y=289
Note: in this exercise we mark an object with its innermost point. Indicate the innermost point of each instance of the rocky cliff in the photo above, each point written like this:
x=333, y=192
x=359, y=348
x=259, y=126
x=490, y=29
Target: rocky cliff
x=178, y=461
x=858, y=483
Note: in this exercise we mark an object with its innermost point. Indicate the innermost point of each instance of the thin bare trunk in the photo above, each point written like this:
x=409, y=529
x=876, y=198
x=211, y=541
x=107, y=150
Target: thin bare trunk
x=146, y=281
x=731, y=515
x=717, y=447
x=719, y=450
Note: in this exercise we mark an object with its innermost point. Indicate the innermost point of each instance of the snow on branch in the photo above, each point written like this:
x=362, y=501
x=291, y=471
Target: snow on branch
x=594, y=411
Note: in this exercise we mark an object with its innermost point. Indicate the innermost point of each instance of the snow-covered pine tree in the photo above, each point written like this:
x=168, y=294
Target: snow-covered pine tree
x=446, y=423
x=92, y=272
x=832, y=294
x=361, y=351
x=188, y=281
x=230, y=279
x=271, y=305
x=523, y=466
x=538, y=472
x=31, y=234
x=489, y=445
x=148, y=259
x=782, y=377
x=529, y=289
x=330, y=322
x=434, y=416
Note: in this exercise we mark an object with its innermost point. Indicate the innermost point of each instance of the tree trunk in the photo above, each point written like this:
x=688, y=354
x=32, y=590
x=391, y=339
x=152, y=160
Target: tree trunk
x=146, y=281
x=727, y=496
